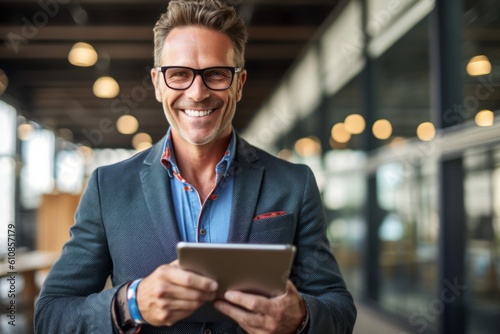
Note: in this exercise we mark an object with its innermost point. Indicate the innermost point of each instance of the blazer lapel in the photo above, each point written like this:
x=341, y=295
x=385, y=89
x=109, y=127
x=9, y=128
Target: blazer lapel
x=156, y=188
x=247, y=182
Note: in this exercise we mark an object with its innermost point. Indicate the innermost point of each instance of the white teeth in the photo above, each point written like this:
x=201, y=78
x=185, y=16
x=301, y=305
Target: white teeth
x=198, y=113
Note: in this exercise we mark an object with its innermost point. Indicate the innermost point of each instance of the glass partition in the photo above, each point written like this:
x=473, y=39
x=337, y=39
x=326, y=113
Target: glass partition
x=37, y=173
x=481, y=50
x=408, y=232
x=344, y=196
x=70, y=171
x=482, y=196
x=344, y=192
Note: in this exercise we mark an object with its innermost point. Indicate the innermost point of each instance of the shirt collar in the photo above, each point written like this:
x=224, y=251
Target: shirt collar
x=222, y=168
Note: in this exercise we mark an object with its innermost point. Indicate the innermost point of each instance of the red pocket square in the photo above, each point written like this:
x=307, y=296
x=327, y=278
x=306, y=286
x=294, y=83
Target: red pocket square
x=270, y=215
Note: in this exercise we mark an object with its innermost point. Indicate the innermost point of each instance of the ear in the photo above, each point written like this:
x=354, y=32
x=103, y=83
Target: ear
x=241, y=82
x=155, y=76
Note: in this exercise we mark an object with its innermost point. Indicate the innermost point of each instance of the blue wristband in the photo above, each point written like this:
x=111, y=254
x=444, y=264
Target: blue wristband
x=132, y=302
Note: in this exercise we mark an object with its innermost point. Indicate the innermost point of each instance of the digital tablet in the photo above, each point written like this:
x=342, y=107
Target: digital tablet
x=253, y=268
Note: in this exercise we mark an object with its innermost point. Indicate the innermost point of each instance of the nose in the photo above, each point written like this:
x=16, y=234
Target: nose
x=198, y=91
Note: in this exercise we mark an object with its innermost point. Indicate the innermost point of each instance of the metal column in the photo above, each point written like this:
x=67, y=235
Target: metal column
x=447, y=76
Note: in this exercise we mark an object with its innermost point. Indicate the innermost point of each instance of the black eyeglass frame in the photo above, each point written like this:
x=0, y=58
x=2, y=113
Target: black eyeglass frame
x=163, y=70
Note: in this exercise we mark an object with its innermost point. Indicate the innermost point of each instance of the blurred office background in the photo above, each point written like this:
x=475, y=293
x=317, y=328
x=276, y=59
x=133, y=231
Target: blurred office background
x=393, y=103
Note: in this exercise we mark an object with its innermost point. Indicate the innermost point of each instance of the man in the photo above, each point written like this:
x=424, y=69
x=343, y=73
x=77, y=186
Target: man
x=202, y=183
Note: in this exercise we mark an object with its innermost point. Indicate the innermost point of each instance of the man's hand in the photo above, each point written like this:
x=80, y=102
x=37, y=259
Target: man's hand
x=257, y=314
x=170, y=294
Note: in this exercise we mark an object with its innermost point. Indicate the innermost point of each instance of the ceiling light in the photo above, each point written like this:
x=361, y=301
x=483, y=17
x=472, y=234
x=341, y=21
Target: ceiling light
x=127, y=124
x=106, y=88
x=285, y=154
x=24, y=131
x=479, y=65
x=395, y=141
x=340, y=134
x=355, y=124
x=307, y=147
x=85, y=152
x=485, y=118
x=142, y=141
x=382, y=129
x=82, y=54
x=426, y=131
x=143, y=146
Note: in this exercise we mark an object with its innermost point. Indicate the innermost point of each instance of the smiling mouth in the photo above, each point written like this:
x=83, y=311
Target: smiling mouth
x=198, y=113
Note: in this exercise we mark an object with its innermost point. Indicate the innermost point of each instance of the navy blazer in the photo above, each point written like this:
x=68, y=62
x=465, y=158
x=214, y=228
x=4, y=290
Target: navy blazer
x=125, y=227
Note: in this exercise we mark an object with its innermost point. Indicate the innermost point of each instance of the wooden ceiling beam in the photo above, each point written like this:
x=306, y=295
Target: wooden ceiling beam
x=39, y=51
x=140, y=51
x=86, y=33
x=145, y=33
x=280, y=33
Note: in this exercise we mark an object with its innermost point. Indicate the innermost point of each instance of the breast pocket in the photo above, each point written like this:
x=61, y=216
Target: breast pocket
x=279, y=229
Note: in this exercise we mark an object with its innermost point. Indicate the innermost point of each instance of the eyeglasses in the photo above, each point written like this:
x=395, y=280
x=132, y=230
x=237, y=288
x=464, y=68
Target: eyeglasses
x=215, y=78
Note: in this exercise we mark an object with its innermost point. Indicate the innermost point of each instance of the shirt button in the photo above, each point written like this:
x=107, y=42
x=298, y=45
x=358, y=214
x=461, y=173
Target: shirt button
x=207, y=331
x=203, y=232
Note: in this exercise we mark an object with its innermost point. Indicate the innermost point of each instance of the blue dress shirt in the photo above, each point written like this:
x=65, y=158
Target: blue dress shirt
x=196, y=222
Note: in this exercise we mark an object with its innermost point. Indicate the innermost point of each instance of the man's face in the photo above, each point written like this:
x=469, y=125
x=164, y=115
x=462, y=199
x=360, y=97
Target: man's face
x=198, y=115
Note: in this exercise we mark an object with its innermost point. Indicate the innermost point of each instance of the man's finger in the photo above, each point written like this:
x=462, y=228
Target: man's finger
x=188, y=279
x=244, y=318
x=172, y=291
x=256, y=304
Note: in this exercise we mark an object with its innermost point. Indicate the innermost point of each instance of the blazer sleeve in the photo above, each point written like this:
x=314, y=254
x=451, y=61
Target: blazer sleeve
x=72, y=299
x=316, y=273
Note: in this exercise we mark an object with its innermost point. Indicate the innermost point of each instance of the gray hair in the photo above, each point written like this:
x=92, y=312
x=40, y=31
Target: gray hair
x=212, y=14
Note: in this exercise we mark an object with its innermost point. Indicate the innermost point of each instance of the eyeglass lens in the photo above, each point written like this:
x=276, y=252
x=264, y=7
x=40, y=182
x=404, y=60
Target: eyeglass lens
x=214, y=78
